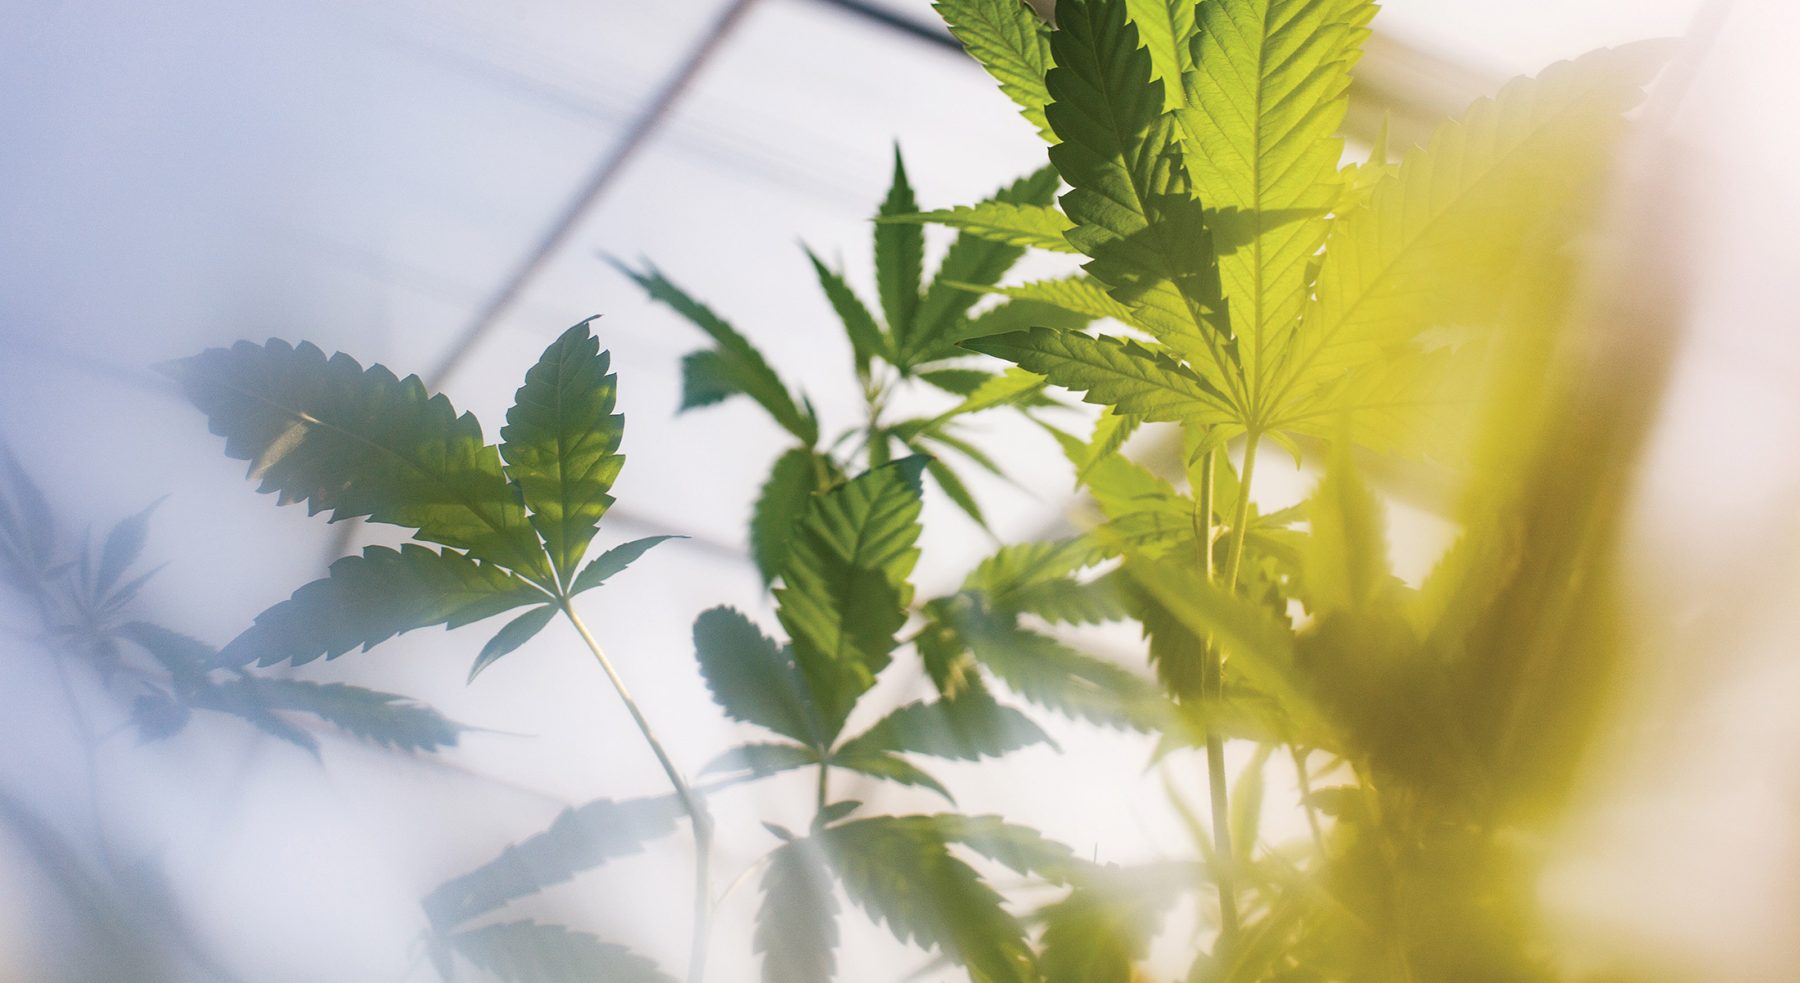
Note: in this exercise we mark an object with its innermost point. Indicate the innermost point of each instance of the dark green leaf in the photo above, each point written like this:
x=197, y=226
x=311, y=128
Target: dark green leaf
x=370, y=598
x=359, y=442
x=781, y=504
x=561, y=444
x=969, y=727
x=751, y=678
x=891, y=767
x=736, y=363
x=517, y=632
x=955, y=490
x=1129, y=194
x=866, y=338
x=613, y=561
x=899, y=258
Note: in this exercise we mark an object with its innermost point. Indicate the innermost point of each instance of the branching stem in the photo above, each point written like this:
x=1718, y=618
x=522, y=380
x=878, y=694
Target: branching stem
x=695, y=806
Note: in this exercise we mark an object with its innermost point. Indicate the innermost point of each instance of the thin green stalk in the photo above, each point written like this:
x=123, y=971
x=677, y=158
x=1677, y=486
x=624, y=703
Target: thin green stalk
x=1305, y=782
x=698, y=818
x=1215, y=748
x=1218, y=791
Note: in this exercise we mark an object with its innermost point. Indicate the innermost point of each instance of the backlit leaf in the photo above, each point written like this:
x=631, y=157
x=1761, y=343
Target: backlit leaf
x=361, y=442
x=561, y=444
x=367, y=599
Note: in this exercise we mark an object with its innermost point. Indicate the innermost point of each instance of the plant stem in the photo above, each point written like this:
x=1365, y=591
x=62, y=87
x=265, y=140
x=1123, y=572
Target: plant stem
x=698, y=818
x=1211, y=685
x=1215, y=747
x=1305, y=782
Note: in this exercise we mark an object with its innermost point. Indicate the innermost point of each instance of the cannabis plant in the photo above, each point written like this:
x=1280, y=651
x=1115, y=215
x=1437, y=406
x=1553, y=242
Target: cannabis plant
x=500, y=527
x=119, y=672
x=1274, y=296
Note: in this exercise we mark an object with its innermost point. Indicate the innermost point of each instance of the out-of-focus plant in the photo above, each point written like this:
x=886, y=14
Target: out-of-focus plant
x=1277, y=296
x=509, y=526
x=83, y=607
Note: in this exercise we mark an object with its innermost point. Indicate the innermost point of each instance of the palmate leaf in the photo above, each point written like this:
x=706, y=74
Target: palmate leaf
x=1009, y=40
x=972, y=261
x=867, y=340
x=899, y=257
x=614, y=561
x=796, y=924
x=902, y=873
x=889, y=767
x=1053, y=675
x=27, y=526
x=782, y=502
x=579, y=839
x=1436, y=241
x=762, y=759
x=1166, y=28
x=735, y=366
x=1020, y=849
x=967, y=728
x=536, y=952
x=384, y=719
x=1264, y=99
x=751, y=678
x=1115, y=372
x=515, y=633
x=561, y=444
x=844, y=590
x=367, y=599
x=1019, y=315
x=1103, y=928
x=123, y=545
x=1134, y=213
x=1077, y=295
x=1033, y=226
x=359, y=442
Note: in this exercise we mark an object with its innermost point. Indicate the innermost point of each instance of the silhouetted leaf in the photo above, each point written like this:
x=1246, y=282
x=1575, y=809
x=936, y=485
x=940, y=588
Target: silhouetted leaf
x=385, y=719
x=359, y=442
x=781, y=504
x=123, y=545
x=751, y=678
x=579, y=839
x=903, y=874
x=517, y=632
x=534, y=952
x=796, y=924
x=899, y=259
x=736, y=363
x=970, y=727
x=370, y=598
x=762, y=760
